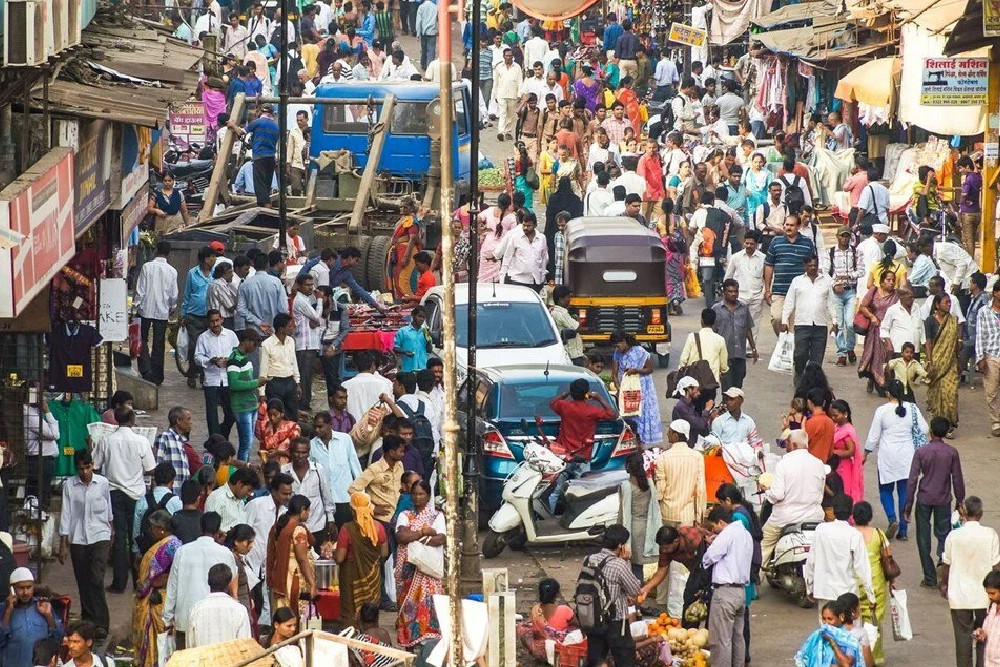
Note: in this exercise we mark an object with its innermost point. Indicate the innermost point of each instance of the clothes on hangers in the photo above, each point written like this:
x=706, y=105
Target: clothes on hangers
x=70, y=355
x=73, y=416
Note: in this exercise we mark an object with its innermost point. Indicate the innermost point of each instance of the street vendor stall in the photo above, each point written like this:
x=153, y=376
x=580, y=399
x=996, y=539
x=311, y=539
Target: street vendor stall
x=374, y=332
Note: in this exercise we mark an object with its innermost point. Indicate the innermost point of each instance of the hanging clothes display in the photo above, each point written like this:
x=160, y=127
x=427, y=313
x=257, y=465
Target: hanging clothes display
x=73, y=416
x=71, y=346
x=731, y=18
x=699, y=16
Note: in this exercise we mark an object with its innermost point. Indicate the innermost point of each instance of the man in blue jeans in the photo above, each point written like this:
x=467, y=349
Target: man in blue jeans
x=243, y=389
x=845, y=272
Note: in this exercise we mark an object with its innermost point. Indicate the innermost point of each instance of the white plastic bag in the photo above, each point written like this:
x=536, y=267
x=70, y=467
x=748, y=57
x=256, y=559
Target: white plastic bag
x=677, y=576
x=164, y=648
x=428, y=559
x=901, y=630
x=872, y=632
x=781, y=358
x=181, y=349
x=630, y=396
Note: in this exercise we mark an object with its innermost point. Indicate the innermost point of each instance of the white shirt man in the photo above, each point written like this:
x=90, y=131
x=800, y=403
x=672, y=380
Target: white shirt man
x=666, y=73
x=809, y=299
x=903, y=325
x=210, y=347
x=314, y=485
x=262, y=513
x=156, y=290
x=188, y=580
x=307, y=336
x=224, y=502
x=207, y=22
x=956, y=265
x=41, y=431
x=606, y=155
x=837, y=562
x=259, y=25
x=324, y=17
x=631, y=181
x=393, y=72
x=536, y=85
x=970, y=553
x=748, y=271
x=525, y=259
x=870, y=251
x=363, y=391
x=123, y=457
x=217, y=618
x=796, y=491
x=534, y=52
x=875, y=199
x=82, y=521
x=596, y=202
x=235, y=41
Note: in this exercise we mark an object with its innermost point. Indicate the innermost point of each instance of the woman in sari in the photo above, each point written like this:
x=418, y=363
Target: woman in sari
x=489, y=241
x=547, y=620
x=587, y=87
x=406, y=242
x=631, y=359
x=169, y=207
x=290, y=571
x=275, y=433
x=847, y=447
x=755, y=180
x=523, y=162
x=875, y=539
x=415, y=590
x=568, y=167
x=677, y=257
x=361, y=546
x=873, y=306
x=147, y=611
x=943, y=343
x=239, y=540
x=628, y=97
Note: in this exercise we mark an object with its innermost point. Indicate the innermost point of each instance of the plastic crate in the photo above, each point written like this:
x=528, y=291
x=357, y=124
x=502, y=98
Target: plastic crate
x=572, y=655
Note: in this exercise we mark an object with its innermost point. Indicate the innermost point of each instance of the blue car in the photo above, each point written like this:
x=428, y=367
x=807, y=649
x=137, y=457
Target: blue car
x=509, y=398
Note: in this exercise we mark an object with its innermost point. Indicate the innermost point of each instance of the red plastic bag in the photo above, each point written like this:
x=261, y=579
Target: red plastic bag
x=135, y=337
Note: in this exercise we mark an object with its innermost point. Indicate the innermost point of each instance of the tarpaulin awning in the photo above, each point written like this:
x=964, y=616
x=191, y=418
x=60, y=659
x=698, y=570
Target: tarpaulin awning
x=873, y=83
x=937, y=16
x=731, y=18
x=789, y=14
x=553, y=10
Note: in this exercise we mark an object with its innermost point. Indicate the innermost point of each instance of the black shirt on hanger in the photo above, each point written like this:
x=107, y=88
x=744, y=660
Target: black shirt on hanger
x=70, y=348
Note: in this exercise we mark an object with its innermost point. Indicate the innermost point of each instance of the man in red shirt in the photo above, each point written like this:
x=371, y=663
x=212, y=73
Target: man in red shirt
x=651, y=168
x=579, y=417
x=678, y=544
x=425, y=279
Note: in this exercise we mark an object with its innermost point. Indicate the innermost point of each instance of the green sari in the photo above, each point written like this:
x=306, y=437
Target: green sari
x=942, y=369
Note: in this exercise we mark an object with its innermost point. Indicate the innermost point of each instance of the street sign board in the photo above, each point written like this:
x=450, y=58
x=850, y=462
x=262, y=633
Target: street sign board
x=954, y=81
x=688, y=35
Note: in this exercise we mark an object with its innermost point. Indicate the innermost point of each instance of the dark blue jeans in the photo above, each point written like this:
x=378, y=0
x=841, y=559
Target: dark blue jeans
x=886, y=497
x=216, y=397
x=941, y=516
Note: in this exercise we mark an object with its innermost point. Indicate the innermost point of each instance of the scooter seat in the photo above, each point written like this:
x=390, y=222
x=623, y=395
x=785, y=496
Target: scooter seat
x=179, y=169
x=591, y=494
x=600, y=479
x=799, y=527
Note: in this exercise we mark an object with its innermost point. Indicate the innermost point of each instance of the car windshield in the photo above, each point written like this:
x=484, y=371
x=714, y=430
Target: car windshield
x=529, y=399
x=506, y=324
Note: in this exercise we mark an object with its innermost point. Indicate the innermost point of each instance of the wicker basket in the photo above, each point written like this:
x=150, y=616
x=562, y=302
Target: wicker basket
x=225, y=654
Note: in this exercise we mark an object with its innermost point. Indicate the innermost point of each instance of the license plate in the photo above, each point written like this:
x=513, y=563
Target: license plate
x=654, y=329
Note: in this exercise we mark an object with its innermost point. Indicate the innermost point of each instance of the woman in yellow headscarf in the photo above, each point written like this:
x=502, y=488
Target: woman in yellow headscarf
x=361, y=548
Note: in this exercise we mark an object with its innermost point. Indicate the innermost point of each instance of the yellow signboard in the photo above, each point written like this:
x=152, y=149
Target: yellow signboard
x=991, y=18
x=685, y=34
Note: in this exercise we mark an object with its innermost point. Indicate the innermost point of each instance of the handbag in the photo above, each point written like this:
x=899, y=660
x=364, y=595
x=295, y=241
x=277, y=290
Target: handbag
x=427, y=559
x=861, y=322
x=916, y=433
x=870, y=218
x=367, y=429
x=531, y=178
x=890, y=568
x=700, y=370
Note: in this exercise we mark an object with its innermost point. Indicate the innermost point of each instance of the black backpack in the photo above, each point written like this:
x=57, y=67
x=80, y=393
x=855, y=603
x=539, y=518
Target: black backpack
x=423, y=435
x=144, y=540
x=592, y=600
x=795, y=196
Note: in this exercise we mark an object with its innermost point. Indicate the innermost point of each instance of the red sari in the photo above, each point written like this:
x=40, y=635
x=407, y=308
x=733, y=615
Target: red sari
x=404, y=274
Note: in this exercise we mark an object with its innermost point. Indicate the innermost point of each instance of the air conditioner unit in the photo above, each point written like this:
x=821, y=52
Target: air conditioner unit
x=74, y=23
x=27, y=41
x=60, y=24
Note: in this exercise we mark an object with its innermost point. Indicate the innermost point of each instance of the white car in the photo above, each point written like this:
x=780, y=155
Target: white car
x=513, y=327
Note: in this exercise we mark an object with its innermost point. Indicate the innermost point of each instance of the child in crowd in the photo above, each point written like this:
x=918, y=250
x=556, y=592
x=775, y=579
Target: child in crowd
x=989, y=633
x=852, y=615
x=907, y=370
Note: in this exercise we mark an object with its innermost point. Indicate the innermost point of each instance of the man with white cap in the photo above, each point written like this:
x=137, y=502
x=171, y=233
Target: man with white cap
x=698, y=421
x=24, y=619
x=795, y=490
x=680, y=478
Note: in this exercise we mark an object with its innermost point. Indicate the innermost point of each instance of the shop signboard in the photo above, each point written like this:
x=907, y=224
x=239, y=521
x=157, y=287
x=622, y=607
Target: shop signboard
x=135, y=146
x=113, y=312
x=991, y=19
x=954, y=81
x=187, y=124
x=92, y=173
x=688, y=35
x=36, y=211
x=134, y=212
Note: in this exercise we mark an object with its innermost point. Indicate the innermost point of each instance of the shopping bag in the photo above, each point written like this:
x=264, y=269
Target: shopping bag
x=630, y=396
x=310, y=619
x=691, y=285
x=427, y=559
x=181, y=348
x=781, y=358
x=164, y=648
x=872, y=632
x=901, y=630
x=135, y=337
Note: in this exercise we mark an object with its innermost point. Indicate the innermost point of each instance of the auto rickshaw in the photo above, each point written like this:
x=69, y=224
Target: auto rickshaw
x=617, y=270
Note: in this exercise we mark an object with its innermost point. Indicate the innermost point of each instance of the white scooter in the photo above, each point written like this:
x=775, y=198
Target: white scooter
x=784, y=570
x=591, y=503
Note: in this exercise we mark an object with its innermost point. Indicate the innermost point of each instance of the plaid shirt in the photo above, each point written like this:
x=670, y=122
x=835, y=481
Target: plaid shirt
x=170, y=447
x=619, y=582
x=559, y=243
x=845, y=268
x=987, y=333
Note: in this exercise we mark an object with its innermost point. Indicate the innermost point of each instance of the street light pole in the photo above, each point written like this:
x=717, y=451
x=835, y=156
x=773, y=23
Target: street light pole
x=471, y=572
x=283, y=127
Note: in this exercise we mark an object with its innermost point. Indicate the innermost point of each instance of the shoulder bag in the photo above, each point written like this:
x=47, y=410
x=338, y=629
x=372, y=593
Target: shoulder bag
x=700, y=370
x=870, y=218
x=861, y=322
x=890, y=568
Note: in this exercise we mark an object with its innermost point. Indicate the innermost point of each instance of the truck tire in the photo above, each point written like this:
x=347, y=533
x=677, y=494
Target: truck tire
x=358, y=270
x=377, y=266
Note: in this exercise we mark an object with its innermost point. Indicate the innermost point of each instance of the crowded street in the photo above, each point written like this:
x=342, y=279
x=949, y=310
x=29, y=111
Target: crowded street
x=733, y=395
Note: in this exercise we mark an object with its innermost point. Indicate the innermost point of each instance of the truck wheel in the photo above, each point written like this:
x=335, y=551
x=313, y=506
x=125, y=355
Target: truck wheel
x=358, y=270
x=376, y=271
x=493, y=544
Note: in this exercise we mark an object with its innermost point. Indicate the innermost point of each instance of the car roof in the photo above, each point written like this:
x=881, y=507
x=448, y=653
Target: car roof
x=405, y=91
x=485, y=293
x=520, y=372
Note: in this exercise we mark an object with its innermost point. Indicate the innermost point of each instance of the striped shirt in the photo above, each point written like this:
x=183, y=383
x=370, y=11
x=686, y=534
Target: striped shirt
x=169, y=446
x=383, y=27
x=787, y=258
x=680, y=484
x=616, y=580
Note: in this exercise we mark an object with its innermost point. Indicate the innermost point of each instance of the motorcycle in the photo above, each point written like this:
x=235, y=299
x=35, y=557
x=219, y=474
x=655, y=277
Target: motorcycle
x=591, y=503
x=784, y=570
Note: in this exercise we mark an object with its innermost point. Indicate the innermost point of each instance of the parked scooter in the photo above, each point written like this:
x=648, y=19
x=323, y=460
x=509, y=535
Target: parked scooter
x=591, y=503
x=784, y=570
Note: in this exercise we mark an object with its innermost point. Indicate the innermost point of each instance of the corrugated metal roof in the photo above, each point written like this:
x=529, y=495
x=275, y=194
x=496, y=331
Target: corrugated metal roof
x=147, y=107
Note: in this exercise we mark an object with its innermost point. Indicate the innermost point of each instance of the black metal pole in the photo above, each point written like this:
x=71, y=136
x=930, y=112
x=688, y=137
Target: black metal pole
x=283, y=128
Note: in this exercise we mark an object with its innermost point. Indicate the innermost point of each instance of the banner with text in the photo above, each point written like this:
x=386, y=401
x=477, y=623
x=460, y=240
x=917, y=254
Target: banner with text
x=689, y=35
x=954, y=81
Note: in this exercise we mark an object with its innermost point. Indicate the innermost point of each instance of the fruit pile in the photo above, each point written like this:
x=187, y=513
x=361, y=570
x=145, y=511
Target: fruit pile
x=687, y=645
x=492, y=179
x=662, y=625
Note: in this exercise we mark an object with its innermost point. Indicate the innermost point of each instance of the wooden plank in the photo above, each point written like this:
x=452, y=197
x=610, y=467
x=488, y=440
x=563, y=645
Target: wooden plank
x=219, y=171
x=371, y=168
